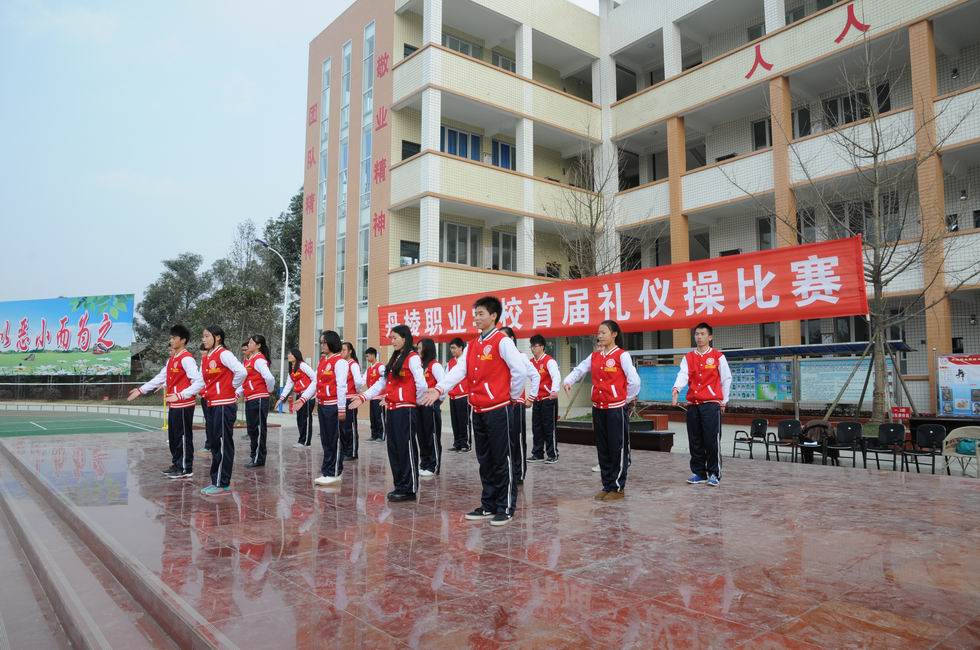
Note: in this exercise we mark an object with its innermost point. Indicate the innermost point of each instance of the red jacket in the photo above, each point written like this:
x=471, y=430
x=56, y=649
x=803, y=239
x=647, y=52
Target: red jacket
x=177, y=379
x=458, y=390
x=400, y=388
x=218, y=378
x=704, y=376
x=541, y=365
x=254, y=386
x=487, y=374
x=608, y=379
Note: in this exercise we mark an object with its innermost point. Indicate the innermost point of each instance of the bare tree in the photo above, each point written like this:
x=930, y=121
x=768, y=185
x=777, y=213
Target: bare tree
x=878, y=200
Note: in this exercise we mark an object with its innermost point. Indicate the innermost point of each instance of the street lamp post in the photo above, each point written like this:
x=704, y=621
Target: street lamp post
x=285, y=306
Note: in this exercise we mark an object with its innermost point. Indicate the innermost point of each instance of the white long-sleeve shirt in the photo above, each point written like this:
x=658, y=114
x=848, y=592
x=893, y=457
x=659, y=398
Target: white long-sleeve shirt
x=555, y=374
x=355, y=369
x=724, y=373
x=508, y=352
x=190, y=369
x=262, y=367
x=310, y=390
x=439, y=373
x=340, y=369
x=632, y=377
x=534, y=377
x=418, y=374
x=231, y=362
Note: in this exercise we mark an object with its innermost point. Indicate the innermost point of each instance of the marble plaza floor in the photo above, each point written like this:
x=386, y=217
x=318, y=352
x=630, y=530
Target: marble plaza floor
x=780, y=555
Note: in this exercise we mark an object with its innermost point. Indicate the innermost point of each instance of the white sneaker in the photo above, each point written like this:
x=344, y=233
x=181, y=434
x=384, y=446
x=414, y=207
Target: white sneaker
x=425, y=472
x=596, y=468
x=327, y=480
x=298, y=445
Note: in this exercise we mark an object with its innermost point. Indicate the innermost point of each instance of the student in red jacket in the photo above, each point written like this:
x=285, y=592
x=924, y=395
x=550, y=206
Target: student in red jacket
x=375, y=369
x=302, y=381
x=518, y=411
x=223, y=374
x=402, y=384
x=544, y=412
x=430, y=417
x=459, y=403
x=348, y=431
x=258, y=385
x=182, y=381
x=705, y=372
x=331, y=406
x=494, y=373
x=615, y=384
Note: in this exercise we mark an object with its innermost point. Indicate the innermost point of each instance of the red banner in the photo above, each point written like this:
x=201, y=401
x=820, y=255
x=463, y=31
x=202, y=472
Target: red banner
x=805, y=282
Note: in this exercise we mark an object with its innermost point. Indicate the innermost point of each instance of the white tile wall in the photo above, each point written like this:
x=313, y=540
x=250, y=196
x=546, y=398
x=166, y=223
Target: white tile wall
x=730, y=181
x=958, y=118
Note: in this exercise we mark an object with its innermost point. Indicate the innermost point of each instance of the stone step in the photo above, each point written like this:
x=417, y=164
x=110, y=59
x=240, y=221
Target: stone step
x=93, y=608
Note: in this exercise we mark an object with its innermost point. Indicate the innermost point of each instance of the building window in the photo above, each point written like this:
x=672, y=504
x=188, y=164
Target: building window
x=504, y=251
x=408, y=50
x=952, y=222
x=756, y=31
x=811, y=331
x=958, y=345
x=769, y=334
x=461, y=46
x=806, y=226
x=410, y=149
x=795, y=14
x=504, y=62
x=461, y=244
x=848, y=108
x=408, y=253
x=976, y=218
x=823, y=4
x=764, y=227
x=459, y=143
x=842, y=330
x=851, y=218
x=503, y=155
x=630, y=255
x=552, y=270
x=761, y=134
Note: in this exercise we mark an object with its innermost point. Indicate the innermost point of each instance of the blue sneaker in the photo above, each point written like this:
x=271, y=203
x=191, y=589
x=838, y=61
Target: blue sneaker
x=695, y=478
x=714, y=481
x=214, y=490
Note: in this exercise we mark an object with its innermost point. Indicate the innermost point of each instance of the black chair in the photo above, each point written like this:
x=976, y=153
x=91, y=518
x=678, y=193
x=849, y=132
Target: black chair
x=890, y=441
x=787, y=435
x=755, y=434
x=928, y=443
x=848, y=436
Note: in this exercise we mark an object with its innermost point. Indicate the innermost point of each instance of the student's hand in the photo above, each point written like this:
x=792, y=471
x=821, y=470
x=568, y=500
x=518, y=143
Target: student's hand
x=134, y=394
x=171, y=398
x=342, y=415
x=553, y=395
x=278, y=403
x=673, y=399
x=355, y=403
x=429, y=397
x=528, y=401
x=722, y=407
x=568, y=388
x=383, y=403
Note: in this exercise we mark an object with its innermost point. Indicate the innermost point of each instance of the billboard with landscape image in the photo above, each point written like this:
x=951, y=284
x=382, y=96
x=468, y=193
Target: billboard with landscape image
x=87, y=335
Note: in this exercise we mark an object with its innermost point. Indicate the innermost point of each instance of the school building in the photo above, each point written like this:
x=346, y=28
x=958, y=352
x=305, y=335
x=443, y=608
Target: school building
x=445, y=142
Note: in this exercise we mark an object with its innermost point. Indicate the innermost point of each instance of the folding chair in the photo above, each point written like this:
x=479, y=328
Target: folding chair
x=756, y=434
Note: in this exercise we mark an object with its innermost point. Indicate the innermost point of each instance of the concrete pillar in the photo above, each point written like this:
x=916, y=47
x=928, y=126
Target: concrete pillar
x=673, y=54
x=680, y=247
x=431, y=22
x=525, y=225
x=605, y=156
x=781, y=105
x=523, y=50
x=931, y=189
x=775, y=15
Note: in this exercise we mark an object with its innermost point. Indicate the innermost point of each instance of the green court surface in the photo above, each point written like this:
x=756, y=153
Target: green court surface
x=39, y=423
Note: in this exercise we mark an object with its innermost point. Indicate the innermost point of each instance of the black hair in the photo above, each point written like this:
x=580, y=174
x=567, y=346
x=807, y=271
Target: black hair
x=394, y=365
x=217, y=333
x=617, y=332
x=331, y=339
x=298, y=355
x=491, y=304
x=353, y=352
x=428, y=351
x=181, y=332
x=371, y=351
x=537, y=339
x=509, y=332
x=704, y=326
x=263, y=346
x=458, y=342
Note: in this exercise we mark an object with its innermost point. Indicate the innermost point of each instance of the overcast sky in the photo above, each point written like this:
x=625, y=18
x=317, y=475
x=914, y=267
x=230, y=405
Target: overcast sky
x=131, y=132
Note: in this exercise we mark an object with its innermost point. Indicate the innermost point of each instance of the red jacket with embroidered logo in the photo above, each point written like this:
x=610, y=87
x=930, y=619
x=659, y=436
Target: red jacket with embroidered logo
x=373, y=375
x=400, y=388
x=458, y=390
x=218, y=379
x=541, y=365
x=301, y=381
x=177, y=379
x=351, y=388
x=488, y=375
x=254, y=386
x=326, y=380
x=608, y=379
x=430, y=379
x=704, y=376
